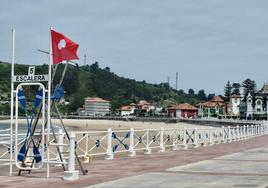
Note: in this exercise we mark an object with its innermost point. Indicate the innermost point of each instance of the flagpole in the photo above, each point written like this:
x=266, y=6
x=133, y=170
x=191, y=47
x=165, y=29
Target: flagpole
x=49, y=100
x=12, y=102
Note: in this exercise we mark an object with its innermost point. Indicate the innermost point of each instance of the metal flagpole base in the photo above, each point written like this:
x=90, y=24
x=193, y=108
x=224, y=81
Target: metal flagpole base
x=71, y=175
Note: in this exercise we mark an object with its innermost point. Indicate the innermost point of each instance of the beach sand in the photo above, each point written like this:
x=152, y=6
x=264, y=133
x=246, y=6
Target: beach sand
x=97, y=125
x=91, y=125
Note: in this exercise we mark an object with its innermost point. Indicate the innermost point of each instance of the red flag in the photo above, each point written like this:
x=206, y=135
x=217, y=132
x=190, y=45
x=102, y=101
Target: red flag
x=63, y=48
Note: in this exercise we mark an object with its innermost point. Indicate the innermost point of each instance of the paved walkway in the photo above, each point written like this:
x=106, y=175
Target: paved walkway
x=243, y=169
x=237, y=164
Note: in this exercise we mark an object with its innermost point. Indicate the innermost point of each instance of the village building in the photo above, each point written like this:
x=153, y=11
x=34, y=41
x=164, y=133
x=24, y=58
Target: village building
x=184, y=110
x=127, y=110
x=255, y=105
x=213, y=108
x=144, y=108
x=95, y=106
x=233, y=107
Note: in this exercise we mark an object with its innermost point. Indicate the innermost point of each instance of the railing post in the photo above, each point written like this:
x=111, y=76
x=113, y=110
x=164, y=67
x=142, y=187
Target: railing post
x=185, y=146
x=256, y=130
x=109, y=153
x=131, y=152
x=229, y=134
x=174, y=146
x=247, y=131
x=60, y=145
x=195, y=138
x=252, y=131
x=237, y=133
x=161, y=147
x=210, y=136
x=241, y=132
x=71, y=174
x=223, y=134
x=244, y=131
x=147, y=149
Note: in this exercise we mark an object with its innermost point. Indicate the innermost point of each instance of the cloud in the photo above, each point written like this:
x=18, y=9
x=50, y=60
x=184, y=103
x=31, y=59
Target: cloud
x=208, y=42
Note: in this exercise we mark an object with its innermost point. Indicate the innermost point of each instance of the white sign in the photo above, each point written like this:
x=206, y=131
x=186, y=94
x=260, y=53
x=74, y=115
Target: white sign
x=31, y=71
x=31, y=77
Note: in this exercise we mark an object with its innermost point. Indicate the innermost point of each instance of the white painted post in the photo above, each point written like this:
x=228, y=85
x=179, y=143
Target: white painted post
x=60, y=145
x=195, y=138
x=255, y=130
x=229, y=134
x=49, y=102
x=237, y=133
x=185, y=146
x=174, y=138
x=71, y=174
x=252, y=131
x=223, y=134
x=147, y=150
x=241, y=133
x=12, y=104
x=60, y=139
x=109, y=153
x=161, y=147
x=131, y=152
x=244, y=132
x=210, y=136
x=247, y=132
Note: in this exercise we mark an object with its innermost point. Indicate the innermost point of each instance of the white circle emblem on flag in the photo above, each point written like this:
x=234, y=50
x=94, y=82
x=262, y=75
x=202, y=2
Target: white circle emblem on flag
x=61, y=44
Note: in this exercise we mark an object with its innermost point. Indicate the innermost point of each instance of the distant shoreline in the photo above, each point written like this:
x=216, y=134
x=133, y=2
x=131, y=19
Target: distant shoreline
x=102, y=123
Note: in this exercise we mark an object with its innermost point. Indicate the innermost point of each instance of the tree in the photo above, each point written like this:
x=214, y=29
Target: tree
x=227, y=90
x=95, y=66
x=249, y=86
x=191, y=91
x=211, y=96
x=236, y=88
x=108, y=69
x=202, y=95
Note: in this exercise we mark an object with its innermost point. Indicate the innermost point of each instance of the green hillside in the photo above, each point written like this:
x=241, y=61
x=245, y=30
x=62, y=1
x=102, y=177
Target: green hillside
x=91, y=80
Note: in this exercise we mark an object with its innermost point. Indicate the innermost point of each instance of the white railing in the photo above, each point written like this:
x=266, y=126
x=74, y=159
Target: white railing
x=109, y=143
x=5, y=146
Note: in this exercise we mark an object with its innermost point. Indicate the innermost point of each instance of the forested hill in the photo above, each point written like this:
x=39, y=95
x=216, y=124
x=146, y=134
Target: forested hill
x=91, y=80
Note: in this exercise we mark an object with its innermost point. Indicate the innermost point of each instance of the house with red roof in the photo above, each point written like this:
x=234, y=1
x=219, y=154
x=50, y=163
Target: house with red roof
x=212, y=108
x=184, y=110
x=127, y=110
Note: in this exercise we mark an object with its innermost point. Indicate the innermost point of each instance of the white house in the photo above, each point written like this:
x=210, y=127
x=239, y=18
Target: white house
x=127, y=110
x=235, y=101
x=95, y=106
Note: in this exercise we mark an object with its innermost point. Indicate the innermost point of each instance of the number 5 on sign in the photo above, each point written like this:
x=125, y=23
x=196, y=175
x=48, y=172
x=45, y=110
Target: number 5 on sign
x=31, y=71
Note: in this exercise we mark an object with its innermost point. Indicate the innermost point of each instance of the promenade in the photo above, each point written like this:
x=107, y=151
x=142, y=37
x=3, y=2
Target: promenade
x=237, y=164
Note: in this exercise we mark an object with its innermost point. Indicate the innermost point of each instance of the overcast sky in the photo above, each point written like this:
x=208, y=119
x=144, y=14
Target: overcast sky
x=208, y=42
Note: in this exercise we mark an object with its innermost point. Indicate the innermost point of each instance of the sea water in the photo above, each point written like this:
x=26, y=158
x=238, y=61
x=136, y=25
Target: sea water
x=22, y=127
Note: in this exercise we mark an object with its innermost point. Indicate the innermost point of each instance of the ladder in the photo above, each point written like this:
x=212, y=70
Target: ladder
x=53, y=104
x=84, y=171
